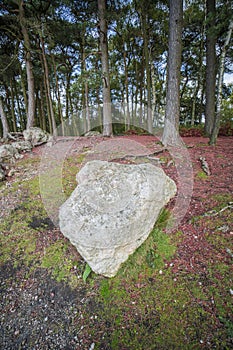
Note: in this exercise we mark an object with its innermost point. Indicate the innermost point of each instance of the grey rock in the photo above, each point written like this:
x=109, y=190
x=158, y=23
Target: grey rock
x=7, y=153
x=36, y=136
x=92, y=133
x=22, y=146
x=2, y=173
x=113, y=210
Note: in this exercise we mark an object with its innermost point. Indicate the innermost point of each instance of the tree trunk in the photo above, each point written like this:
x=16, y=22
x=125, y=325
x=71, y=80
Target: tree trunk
x=210, y=66
x=217, y=120
x=29, y=68
x=50, y=103
x=5, y=126
x=153, y=102
x=58, y=95
x=12, y=99
x=172, y=112
x=48, y=109
x=107, y=113
x=23, y=83
x=148, y=72
x=127, y=125
x=199, y=78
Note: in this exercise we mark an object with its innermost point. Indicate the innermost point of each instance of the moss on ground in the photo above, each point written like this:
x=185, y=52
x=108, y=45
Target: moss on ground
x=201, y=175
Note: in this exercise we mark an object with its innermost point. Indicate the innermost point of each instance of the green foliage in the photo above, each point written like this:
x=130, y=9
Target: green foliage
x=87, y=272
x=201, y=175
x=70, y=169
x=56, y=260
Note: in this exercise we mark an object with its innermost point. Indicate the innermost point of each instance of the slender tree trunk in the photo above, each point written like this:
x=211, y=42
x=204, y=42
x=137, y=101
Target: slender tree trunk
x=172, y=113
x=126, y=89
x=42, y=106
x=47, y=105
x=103, y=37
x=87, y=107
x=29, y=68
x=217, y=120
x=199, y=78
x=148, y=72
x=141, y=94
x=23, y=90
x=47, y=84
x=153, y=82
x=5, y=126
x=58, y=95
x=21, y=120
x=12, y=99
x=135, y=114
x=210, y=66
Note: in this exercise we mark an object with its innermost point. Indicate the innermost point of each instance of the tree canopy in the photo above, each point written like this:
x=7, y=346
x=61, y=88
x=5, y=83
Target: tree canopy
x=51, y=62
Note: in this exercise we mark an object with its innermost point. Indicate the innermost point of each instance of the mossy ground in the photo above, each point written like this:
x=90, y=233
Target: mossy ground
x=147, y=305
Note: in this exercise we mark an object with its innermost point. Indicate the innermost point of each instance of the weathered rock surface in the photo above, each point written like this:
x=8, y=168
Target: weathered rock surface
x=36, y=136
x=92, y=133
x=7, y=153
x=113, y=210
x=22, y=146
x=2, y=173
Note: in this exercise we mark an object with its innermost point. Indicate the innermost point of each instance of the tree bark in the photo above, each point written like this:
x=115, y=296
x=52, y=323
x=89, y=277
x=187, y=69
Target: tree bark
x=148, y=71
x=210, y=66
x=29, y=68
x=5, y=126
x=127, y=124
x=107, y=113
x=58, y=95
x=217, y=119
x=46, y=71
x=199, y=79
x=12, y=103
x=172, y=112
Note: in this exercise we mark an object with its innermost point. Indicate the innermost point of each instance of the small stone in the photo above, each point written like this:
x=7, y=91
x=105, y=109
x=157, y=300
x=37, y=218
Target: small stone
x=92, y=346
x=11, y=172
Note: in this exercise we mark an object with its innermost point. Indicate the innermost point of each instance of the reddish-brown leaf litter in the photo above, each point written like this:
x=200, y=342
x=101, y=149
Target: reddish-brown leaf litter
x=194, y=251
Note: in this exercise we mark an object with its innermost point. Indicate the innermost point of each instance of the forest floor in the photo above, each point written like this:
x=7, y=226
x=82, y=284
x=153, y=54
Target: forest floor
x=174, y=292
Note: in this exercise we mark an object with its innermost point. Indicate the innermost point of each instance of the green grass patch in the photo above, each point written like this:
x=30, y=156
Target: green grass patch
x=201, y=175
x=56, y=260
x=70, y=169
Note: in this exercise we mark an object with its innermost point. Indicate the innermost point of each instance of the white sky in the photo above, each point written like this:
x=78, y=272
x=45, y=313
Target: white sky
x=228, y=78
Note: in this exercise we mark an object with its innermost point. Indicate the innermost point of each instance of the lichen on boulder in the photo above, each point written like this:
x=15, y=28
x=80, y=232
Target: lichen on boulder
x=113, y=210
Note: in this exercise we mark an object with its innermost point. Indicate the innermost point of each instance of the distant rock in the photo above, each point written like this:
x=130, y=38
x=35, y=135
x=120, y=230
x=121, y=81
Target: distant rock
x=36, y=136
x=92, y=133
x=113, y=210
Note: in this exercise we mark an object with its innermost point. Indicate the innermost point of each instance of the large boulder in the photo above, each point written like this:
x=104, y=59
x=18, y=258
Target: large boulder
x=7, y=153
x=36, y=136
x=22, y=146
x=113, y=210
